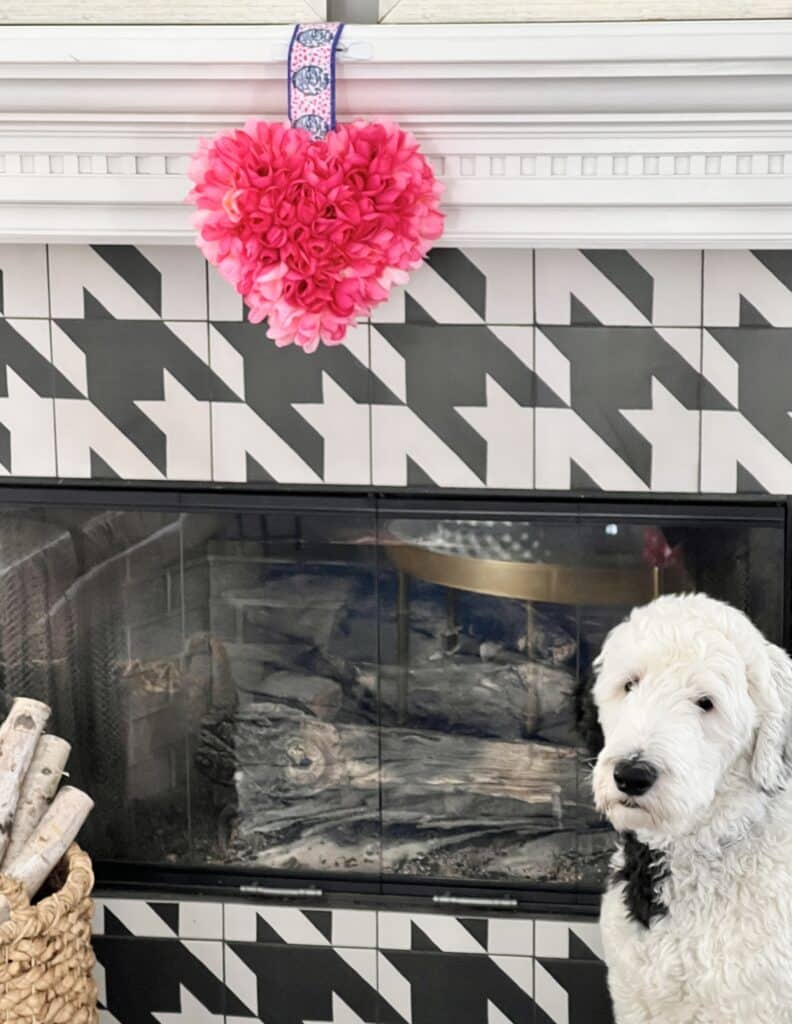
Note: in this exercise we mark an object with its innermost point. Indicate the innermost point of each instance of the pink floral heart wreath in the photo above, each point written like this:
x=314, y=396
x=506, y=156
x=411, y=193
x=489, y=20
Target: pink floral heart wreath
x=313, y=222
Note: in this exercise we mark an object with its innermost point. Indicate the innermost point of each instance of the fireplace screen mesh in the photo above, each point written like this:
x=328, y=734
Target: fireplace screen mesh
x=349, y=690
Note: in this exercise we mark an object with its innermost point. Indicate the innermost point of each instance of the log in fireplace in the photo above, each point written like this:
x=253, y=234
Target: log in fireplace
x=373, y=692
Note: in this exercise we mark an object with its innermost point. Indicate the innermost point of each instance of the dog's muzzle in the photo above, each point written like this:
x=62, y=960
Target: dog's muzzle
x=634, y=777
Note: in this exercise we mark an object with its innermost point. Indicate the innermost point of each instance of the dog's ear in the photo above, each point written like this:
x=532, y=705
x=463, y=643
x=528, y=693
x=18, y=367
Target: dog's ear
x=770, y=680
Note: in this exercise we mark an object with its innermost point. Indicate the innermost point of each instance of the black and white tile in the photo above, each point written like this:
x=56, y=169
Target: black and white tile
x=567, y=940
x=617, y=408
x=746, y=434
x=569, y=975
x=162, y=981
x=125, y=282
x=452, y=374
x=287, y=417
x=447, y=987
x=452, y=405
x=300, y=926
x=27, y=408
x=507, y=936
x=640, y=371
x=298, y=984
x=618, y=358
x=618, y=288
x=24, y=284
x=465, y=286
x=174, y=962
x=132, y=398
x=748, y=288
x=119, y=917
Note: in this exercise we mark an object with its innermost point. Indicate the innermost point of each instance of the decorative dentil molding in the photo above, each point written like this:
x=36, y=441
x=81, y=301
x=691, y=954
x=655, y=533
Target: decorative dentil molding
x=598, y=134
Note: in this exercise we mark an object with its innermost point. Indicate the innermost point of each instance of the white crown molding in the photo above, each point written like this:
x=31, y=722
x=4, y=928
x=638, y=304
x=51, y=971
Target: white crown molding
x=625, y=134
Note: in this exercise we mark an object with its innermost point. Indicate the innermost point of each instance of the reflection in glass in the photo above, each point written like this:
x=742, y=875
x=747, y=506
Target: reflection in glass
x=488, y=633
x=339, y=692
x=286, y=742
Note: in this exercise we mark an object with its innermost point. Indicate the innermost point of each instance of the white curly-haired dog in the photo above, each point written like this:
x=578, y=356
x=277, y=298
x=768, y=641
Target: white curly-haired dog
x=696, y=711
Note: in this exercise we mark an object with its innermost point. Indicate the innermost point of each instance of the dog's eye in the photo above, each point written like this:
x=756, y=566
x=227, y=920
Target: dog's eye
x=630, y=685
x=705, y=704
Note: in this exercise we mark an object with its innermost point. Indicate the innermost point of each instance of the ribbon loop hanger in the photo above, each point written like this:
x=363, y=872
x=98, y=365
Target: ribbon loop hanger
x=312, y=57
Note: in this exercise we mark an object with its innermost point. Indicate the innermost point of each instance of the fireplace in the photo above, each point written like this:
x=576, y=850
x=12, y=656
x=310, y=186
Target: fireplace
x=377, y=693
x=333, y=708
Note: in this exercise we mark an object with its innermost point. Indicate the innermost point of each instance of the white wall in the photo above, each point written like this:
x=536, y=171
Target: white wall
x=160, y=12
x=577, y=10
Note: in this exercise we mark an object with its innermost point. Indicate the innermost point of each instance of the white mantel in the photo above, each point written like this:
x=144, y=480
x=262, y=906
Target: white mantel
x=620, y=134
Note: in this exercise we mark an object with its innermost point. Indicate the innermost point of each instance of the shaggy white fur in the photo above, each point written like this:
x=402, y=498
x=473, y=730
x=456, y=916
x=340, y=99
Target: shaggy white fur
x=690, y=687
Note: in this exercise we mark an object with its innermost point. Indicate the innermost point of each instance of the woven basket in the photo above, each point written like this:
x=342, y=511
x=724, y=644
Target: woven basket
x=46, y=960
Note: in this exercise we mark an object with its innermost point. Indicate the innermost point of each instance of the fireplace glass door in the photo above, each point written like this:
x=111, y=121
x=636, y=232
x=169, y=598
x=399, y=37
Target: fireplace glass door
x=384, y=691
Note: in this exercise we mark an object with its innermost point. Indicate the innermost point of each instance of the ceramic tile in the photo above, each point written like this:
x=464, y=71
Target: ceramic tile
x=565, y=940
x=432, y=931
x=465, y=286
x=162, y=980
x=286, y=984
x=618, y=408
x=571, y=992
x=429, y=987
x=744, y=288
x=27, y=410
x=746, y=430
x=126, y=282
x=619, y=288
x=452, y=406
x=311, y=926
x=132, y=399
x=282, y=416
x=511, y=936
x=23, y=281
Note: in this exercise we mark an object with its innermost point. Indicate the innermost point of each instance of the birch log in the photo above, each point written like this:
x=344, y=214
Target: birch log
x=40, y=786
x=54, y=834
x=19, y=735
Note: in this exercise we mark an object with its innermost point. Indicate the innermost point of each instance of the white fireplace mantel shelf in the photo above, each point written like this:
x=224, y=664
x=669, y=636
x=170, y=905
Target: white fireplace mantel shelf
x=627, y=134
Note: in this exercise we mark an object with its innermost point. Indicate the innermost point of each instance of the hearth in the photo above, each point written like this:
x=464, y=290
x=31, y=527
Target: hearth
x=375, y=692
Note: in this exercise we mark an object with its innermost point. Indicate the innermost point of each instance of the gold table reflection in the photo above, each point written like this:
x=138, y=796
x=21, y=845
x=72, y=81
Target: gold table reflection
x=622, y=586
x=551, y=583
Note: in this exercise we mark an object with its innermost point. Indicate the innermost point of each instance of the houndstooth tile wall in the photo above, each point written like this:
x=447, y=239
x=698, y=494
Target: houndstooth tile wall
x=554, y=370
x=235, y=963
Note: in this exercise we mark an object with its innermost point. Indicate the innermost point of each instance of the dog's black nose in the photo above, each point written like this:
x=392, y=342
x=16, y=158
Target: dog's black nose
x=634, y=777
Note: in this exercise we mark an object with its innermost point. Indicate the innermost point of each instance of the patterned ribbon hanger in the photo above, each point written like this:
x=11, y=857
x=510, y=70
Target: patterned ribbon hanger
x=312, y=77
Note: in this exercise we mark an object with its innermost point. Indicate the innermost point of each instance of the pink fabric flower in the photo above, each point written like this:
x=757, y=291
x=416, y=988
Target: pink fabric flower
x=314, y=234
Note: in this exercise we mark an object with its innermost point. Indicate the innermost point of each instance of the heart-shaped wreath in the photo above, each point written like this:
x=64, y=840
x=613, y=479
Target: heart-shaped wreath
x=313, y=222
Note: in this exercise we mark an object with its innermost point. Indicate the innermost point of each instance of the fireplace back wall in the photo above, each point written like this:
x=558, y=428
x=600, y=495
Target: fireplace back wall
x=369, y=689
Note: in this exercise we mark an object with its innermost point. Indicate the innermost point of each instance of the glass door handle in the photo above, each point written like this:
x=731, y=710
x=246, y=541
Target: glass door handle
x=286, y=892
x=496, y=902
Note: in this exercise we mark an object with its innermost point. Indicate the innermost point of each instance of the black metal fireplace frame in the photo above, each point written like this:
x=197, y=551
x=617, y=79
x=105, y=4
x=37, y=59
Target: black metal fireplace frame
x=356, y=888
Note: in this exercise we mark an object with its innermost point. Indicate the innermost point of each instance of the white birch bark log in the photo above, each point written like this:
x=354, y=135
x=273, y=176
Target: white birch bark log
x=40, y=786
x=19, y=735
x=54, y=834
